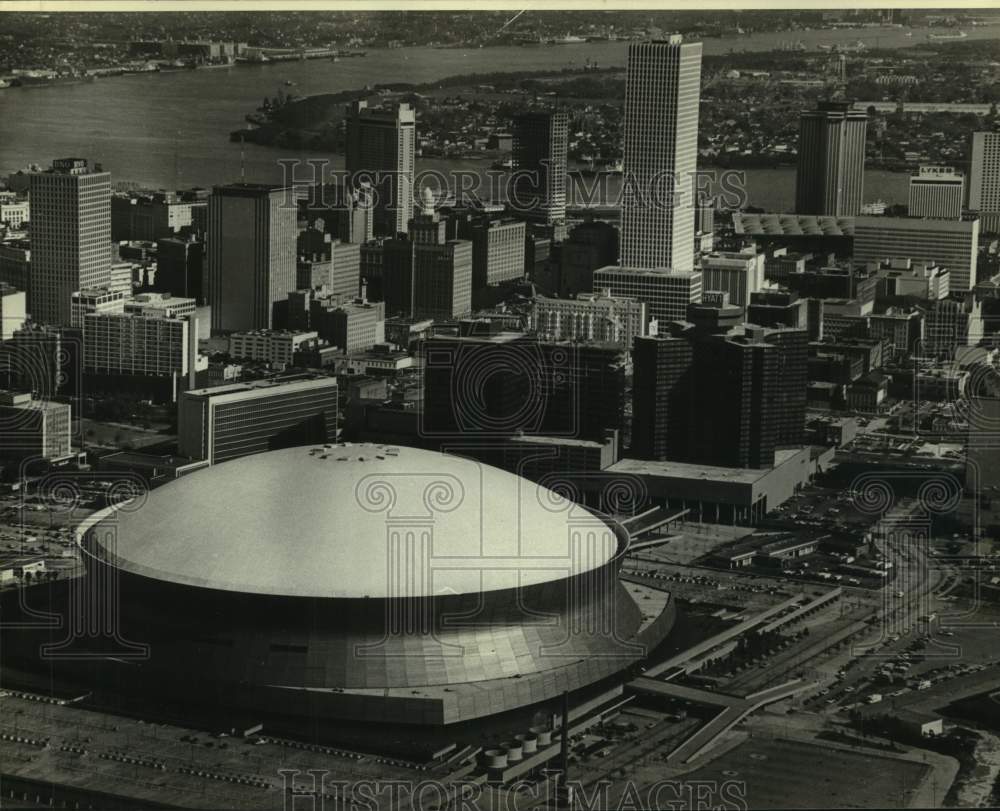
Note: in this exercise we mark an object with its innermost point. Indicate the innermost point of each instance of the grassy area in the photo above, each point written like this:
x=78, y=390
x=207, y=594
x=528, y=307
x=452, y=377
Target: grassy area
x=792, y=774
x=120, y=435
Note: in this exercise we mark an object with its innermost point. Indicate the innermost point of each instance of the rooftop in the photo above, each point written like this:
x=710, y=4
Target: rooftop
x=686, y=470
x=329, y=508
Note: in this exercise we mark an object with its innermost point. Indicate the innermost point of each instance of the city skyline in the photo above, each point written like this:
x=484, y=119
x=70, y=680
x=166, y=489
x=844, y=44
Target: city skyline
x=445, y=410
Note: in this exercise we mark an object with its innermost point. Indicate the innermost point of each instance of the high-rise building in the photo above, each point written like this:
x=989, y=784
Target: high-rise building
x=952, y=244
x=938, y=192
x=739, y=274
x=660, y=154
x=442, y=280
x=497, y=252
x=252, y=231
x=728, y=399
x=180, y=267
x=666, y=295
x=539, y=150
x=380, y=155
x=556, y=388
x=70, y=236
x=662, y=382
x=831, y=164
x=226, y=422
x=591, y=245
x=125, y=344
x=984, y=179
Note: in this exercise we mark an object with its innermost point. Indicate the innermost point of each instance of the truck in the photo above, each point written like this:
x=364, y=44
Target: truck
x=874, y=698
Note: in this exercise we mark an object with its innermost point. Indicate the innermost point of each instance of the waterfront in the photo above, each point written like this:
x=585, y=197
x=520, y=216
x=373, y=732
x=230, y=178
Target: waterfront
x=146, y=128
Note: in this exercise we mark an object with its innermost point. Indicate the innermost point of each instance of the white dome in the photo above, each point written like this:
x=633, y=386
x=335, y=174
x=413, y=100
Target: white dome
x=350, y=521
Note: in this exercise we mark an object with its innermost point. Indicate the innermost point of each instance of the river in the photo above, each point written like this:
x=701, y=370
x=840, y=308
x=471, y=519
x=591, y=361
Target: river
x=171, y=130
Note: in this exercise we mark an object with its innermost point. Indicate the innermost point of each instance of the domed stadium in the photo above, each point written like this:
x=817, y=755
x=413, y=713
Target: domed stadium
x=367, y=582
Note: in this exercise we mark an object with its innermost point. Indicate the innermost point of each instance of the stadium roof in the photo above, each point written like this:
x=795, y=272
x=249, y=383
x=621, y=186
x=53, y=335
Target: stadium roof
x=347, y=520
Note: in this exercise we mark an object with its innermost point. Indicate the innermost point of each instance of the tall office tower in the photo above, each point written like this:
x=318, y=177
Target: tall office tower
x=984, y=179
x=70, y=236
x=252, y=229
x=380, y=154
x=591, y=245
x=661, y=395
x=660, y=154
x=226, y=422
x=727, y=399
x=831, y=169
x=497, y=252
x=937, y=191
x=442, y=280
x=179, y=267
x=540, y=145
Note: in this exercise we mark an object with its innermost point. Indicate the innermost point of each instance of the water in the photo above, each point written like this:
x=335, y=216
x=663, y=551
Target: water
x=171, y=130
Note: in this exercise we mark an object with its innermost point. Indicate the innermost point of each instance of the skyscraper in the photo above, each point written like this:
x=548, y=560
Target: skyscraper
x=660, y=154
x=831, y=168
x=984, y=179
x=380, y=153
x=70, y=236
x=936, y=192
x=252, y=234
x=719, y=398
x=539, y=148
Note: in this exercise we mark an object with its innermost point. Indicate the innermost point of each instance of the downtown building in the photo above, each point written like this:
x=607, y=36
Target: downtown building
x=276, y=348
x=660, y=154
x=485, y=389
x=589, y=317
x=666, y=294
x=380, y=158
x=152, y=356
x=227, y=422
x=739, y=274
x=937, y=192
x=538, y=156
x=252, y=232
x=34, y=428
x=831, y=163
x=984, y=179
x=70, y=236
x=13, y=310
x=952, y=244
x=422, y=274
x=721, y=399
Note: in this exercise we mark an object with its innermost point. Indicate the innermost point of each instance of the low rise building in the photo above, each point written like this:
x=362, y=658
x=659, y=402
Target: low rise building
x=276, y=348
